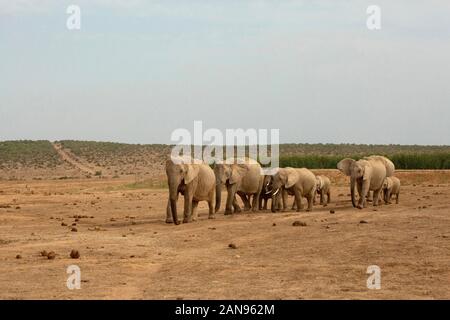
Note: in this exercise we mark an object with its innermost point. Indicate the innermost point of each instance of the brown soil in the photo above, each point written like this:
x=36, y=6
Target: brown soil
x=127, y=251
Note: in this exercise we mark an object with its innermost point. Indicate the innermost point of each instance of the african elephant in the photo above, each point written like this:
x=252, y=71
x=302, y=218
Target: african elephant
x=241, y=176
x=266, y=193
x=366, y=174
x=391, y=186
x=195, y=181
x=323, y=187
x=299, y=182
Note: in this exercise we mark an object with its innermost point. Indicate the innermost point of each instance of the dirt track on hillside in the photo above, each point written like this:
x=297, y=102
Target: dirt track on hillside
x=72, y=160
x=128, y=252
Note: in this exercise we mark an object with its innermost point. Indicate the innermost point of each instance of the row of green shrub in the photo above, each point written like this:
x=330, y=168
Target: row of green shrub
x=401, y=161
x=27, y=152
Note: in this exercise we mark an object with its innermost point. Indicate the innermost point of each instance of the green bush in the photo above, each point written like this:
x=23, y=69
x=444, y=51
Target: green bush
x=401, y=161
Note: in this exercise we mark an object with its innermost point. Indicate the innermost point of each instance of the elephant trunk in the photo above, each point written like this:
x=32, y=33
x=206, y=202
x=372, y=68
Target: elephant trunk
x=275, y=196
x=352, y=190
x=218, y=196
x=173, y=195
x=173, y=206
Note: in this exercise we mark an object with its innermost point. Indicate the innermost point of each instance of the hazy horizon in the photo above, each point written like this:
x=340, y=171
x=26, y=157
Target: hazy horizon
x=137, y=70
x=282, y=143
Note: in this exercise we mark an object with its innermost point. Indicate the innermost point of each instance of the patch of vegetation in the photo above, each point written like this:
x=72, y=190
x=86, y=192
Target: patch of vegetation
x=401, y=160
x=112, y=154
x=27, y=153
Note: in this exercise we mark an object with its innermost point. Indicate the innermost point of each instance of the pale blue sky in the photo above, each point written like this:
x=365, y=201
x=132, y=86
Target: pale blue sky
x=137, y=70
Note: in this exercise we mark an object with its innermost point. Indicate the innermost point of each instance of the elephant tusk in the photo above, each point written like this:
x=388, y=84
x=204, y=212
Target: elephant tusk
x=275, y=193
x=267, y=192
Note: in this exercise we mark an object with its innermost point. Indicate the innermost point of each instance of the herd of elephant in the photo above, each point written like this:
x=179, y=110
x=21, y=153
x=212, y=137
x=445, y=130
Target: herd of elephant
x=197, y=181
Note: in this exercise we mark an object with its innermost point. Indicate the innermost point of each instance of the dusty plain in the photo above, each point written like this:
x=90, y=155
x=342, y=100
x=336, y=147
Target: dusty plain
x=127, y=251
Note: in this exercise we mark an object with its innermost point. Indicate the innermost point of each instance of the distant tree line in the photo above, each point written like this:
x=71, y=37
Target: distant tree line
x=401, y=161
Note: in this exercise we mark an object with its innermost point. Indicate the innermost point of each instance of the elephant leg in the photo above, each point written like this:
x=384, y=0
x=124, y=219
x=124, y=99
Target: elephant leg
x=309, y=197
x=284, y=197
x=211, y=208
x=230, y=198
x=364, y=190
x=396, y=198
x=298, y=200
x=245, y=200
x=328, y=197
x=376, y=197
x=274, y=206
x=236, y=206
x=321, y=197
x=194, y=210
x=389, y=196
x=255, y=206
x=187, y=207
x=169, y=217
x=265, y=203
x=359, y=189
x=294, y=204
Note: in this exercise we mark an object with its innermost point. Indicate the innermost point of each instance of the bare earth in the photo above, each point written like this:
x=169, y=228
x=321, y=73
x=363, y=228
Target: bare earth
x=129, y=252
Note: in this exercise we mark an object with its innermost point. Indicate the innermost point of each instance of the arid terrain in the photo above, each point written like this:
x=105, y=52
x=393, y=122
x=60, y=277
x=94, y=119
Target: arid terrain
x=127, y=251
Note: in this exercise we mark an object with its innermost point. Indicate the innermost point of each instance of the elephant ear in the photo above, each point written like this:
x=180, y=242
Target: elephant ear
x=319, y=184
x=292, y=178
x=191, y=173
x=367, y=172
x=344, y=166
x=238, y=171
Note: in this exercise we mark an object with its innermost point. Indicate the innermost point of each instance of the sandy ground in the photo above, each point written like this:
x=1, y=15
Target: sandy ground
x=128, y=252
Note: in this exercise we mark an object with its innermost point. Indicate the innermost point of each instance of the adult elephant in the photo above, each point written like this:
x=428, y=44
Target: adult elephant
x=298, y=182
x=241, y=176
x=195, y=181
x=266, y=194
x=367, y=174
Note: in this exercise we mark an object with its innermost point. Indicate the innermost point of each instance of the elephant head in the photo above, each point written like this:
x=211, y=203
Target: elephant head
x=319, y=183
x=387, y=183
x=267, y=185
x=227, y=174
x=180, y=175
x=356, y=170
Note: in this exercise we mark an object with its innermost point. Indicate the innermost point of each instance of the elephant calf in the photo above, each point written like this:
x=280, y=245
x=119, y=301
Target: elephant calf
x=391, y=186
x=323, y=187
x=195, y=180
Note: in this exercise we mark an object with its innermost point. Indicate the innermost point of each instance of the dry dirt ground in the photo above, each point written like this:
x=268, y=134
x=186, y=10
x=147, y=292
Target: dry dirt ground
x=129, y=252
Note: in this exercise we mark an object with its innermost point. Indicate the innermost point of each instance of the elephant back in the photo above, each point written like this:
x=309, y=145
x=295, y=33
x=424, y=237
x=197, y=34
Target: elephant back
x=389, y=165
x=307, y=178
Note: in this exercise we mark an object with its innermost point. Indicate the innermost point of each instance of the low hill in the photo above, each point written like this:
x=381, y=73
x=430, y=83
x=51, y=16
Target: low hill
x=74, y=159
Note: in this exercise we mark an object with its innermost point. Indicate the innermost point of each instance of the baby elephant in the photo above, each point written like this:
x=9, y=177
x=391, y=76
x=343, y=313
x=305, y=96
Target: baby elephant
x=391, y=185
x=323, y=187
